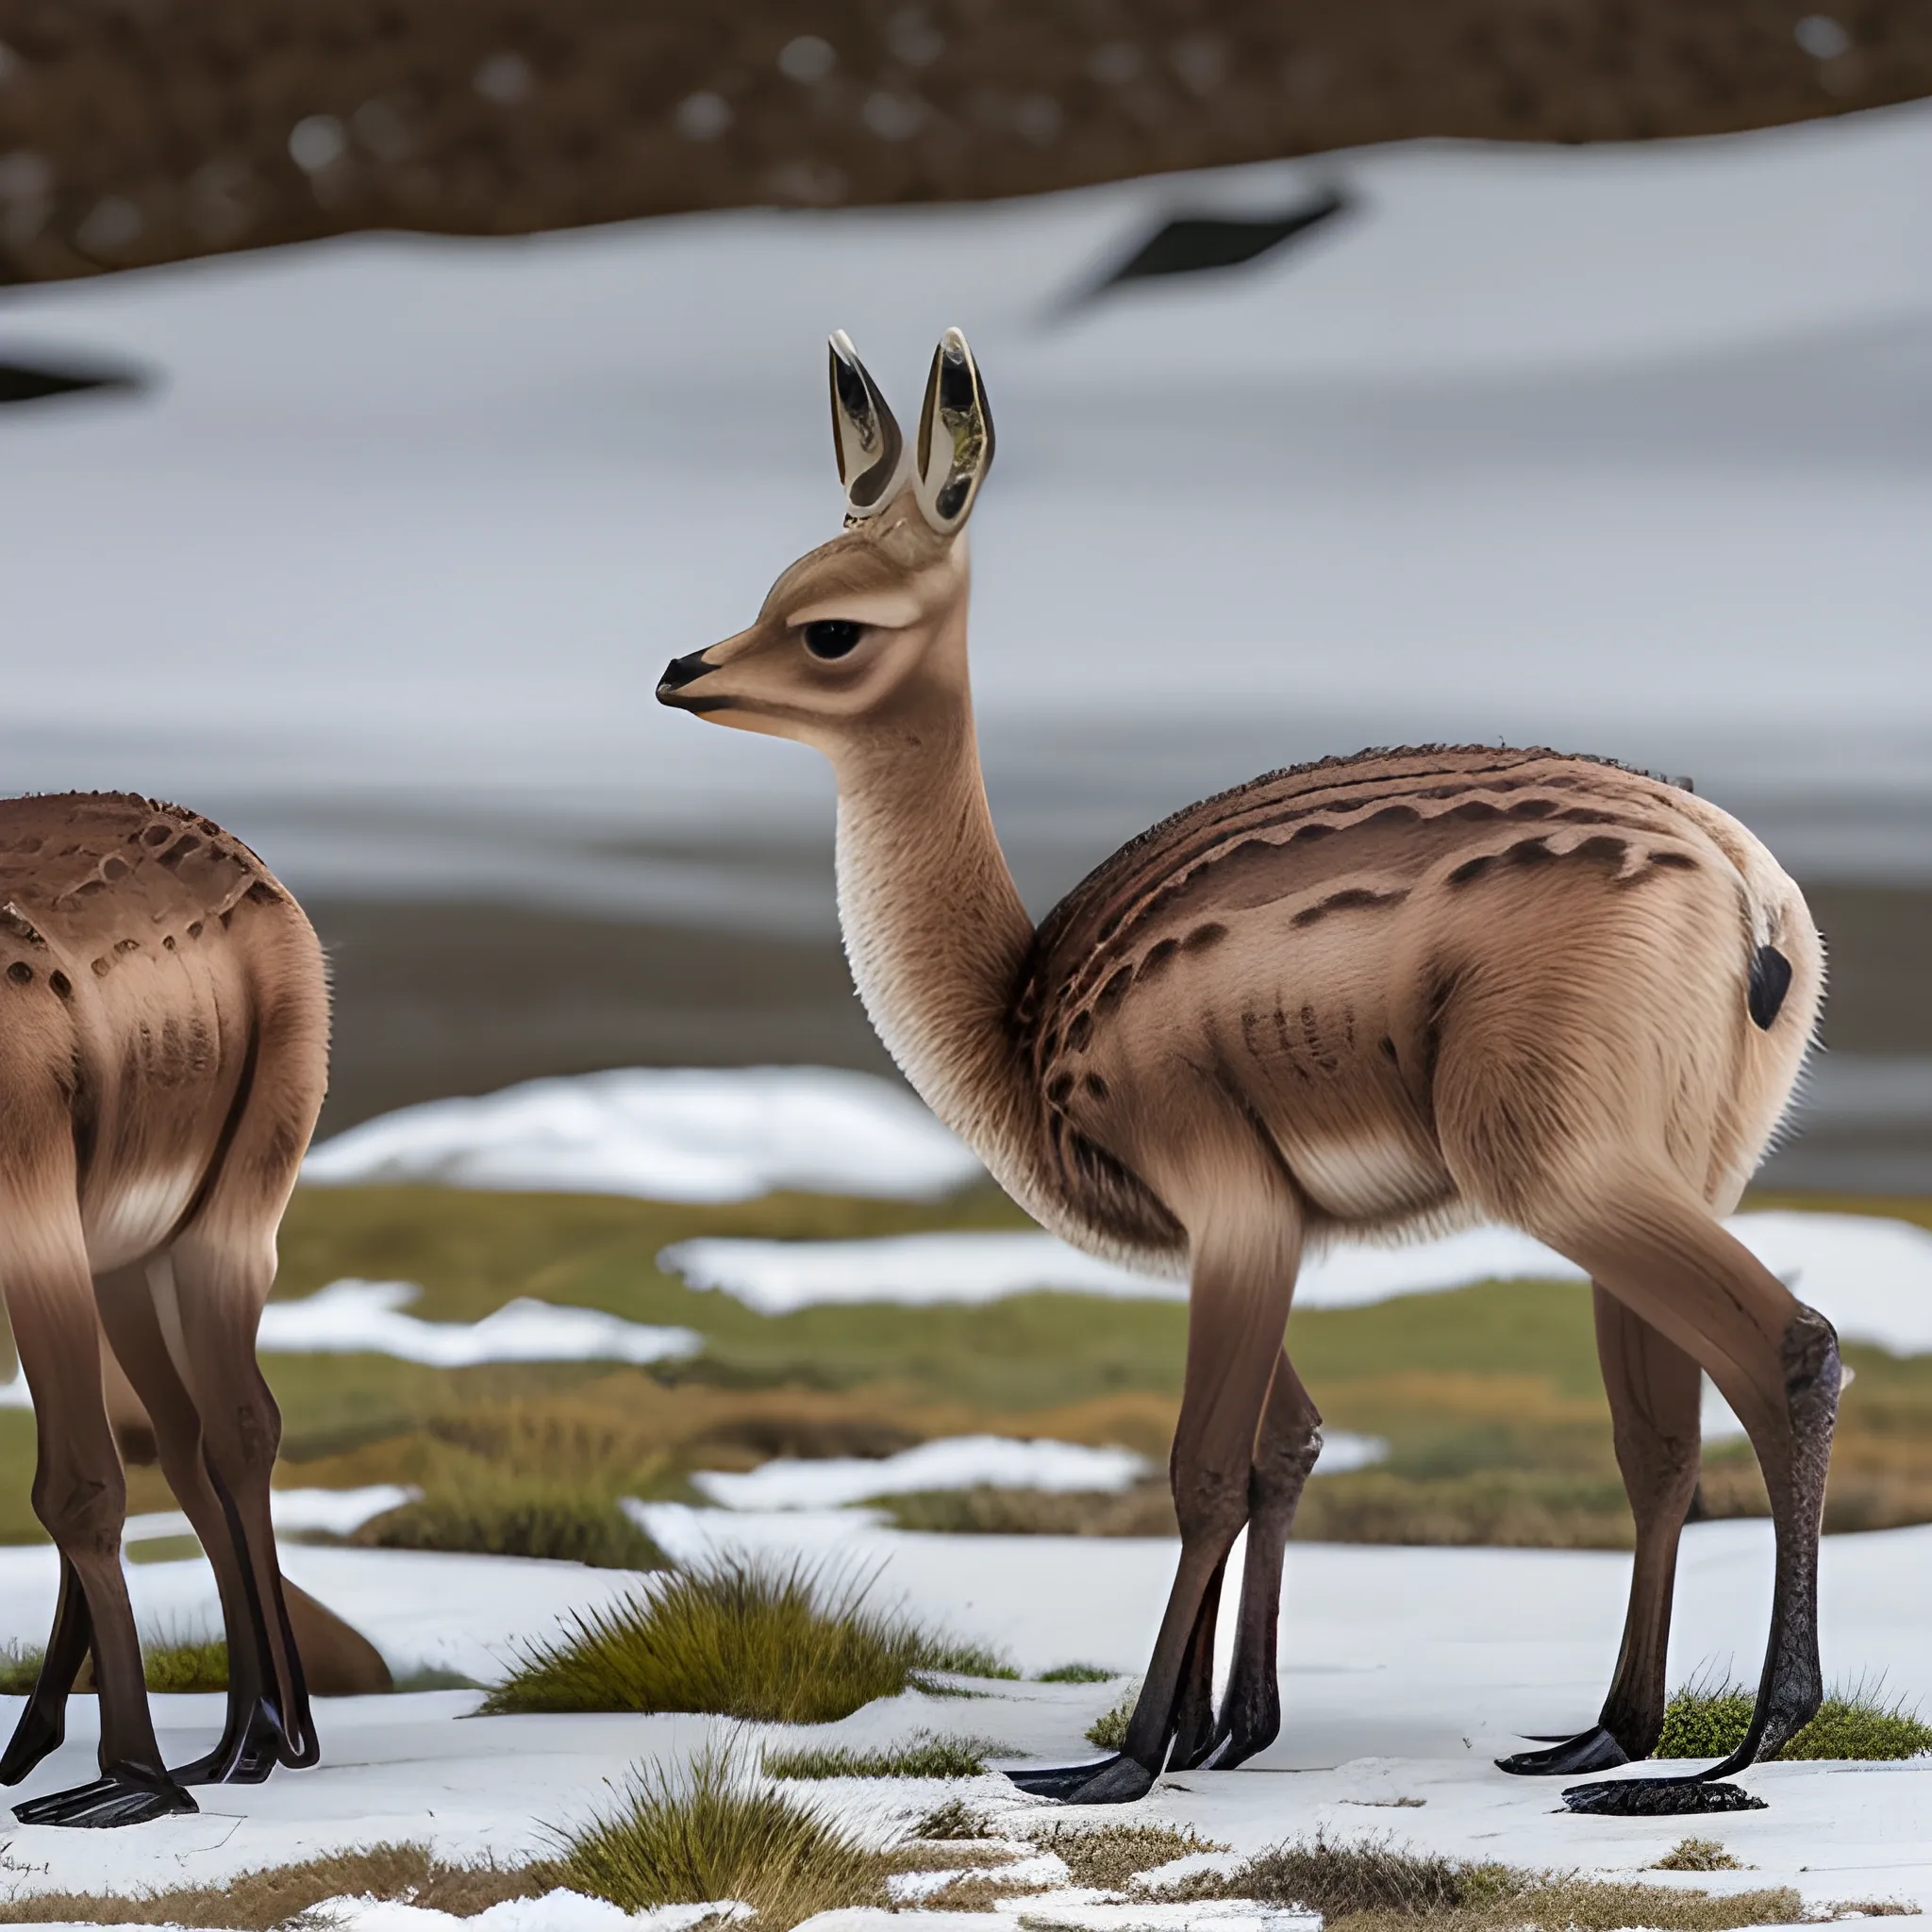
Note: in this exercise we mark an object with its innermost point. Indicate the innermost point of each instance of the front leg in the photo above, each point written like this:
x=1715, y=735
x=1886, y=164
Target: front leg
x=1655, y=1391
x=1246, y=1232
x=1285, y=1453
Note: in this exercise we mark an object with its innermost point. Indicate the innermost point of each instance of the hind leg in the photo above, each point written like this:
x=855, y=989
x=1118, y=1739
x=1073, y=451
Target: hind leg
x=80, y=1494
x=248, y=1747
x=1662, y=1255
x=1656, y=1394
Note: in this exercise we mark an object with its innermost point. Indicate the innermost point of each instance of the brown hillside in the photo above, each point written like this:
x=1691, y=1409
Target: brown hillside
x=135, y=131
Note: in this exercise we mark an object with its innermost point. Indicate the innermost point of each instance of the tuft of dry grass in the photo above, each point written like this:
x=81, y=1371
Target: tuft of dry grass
x=1373, y=1886
x=1110, y=1857
x=714, y=1835
x=263, y=1900
x=1076, y=1674
x=1697, y=1854
x=952, y=1821
x=787, y=1644
x=924, y=1756
x=169, y=1664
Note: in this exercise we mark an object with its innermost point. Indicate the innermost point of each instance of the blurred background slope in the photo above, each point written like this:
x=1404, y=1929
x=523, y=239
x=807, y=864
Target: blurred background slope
x=374, y=547
x=139, y=131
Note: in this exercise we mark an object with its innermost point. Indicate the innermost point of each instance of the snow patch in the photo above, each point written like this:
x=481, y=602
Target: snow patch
x=294, y=1512
x=952, y=1462
x=1869, y=1276
x=364, y=1318
x=667, y=1134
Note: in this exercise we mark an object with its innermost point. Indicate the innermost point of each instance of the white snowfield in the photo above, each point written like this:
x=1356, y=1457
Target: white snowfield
x=668, y=1134
x=966, y=1462
x=334, y=1512
x=1521, y=412
x=1404, y=1673
x=1870, y=1275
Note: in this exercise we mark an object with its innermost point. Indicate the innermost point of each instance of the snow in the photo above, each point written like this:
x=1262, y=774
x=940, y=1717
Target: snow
x=965, y=1462
x=669, y=1134
x=1404, y=1673
x=364, y=1318
x=1872, y=1276
x=949, y=1462
x=294, y=1512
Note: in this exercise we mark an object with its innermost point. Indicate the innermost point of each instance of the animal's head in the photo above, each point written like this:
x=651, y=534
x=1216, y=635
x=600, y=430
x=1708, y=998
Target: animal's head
x=866, y=634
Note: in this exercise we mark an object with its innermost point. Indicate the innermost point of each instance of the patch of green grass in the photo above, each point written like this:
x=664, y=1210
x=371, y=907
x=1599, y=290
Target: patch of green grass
x=169, y=1664
x=1697, y=1854
x=265, y=1900
x=1709, y=1720
x=185, y=1664
x=925, y=1757
x=788, y=1645
x=715, y=1835
x=1371, y=1883
x=1076, y=1674
x=1109, y=1731
x=563, y=1525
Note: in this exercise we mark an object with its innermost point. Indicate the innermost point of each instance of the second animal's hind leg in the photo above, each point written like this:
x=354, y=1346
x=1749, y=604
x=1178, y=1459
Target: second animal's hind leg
x=216, y=1295
x=1656, y=1394
x=248, y=1747
x=80, y=1494
x=1777, y=1361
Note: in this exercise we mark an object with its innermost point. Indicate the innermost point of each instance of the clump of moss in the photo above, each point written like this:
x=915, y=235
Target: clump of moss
x=952, y=1821
x=1075, y=1674
x=748, y=1639
x=1709, y=1718
x=1109, y=1731
x=562, y=1526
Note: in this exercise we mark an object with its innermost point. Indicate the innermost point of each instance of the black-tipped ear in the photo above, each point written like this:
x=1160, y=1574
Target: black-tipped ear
x=954, y=437
x=865, y=437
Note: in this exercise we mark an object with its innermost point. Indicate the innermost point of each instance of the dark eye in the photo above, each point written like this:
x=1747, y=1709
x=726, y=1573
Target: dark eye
x=832, y=636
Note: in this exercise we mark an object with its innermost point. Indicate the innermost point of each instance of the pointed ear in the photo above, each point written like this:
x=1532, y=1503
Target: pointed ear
x=954, y=437
x=865, y=437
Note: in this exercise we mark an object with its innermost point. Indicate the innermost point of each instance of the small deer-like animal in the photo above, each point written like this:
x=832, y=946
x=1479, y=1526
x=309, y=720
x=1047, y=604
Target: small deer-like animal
x=164, y=1055
x=1358, y=999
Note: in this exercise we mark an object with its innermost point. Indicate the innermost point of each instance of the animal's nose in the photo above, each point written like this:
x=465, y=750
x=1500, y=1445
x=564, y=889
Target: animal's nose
x=683, y=671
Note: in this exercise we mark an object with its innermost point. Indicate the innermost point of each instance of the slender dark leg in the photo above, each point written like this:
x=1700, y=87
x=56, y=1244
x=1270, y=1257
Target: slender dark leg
x=1285, y=1453
x=214, y=1288
x=1777, y=1362
x=1193, y=1711
x=251, y=1736
x=80, y=1494
x=1656, y=1394
x=1246, y=1259
x=43, y=1726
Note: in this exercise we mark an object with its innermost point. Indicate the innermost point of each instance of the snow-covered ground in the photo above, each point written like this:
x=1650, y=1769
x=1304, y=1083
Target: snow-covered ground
x=1871, y=1275
x=665, y=1133
x=1404, y=1673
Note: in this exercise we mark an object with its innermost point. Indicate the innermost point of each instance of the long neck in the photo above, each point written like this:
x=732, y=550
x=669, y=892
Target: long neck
x=936, y=933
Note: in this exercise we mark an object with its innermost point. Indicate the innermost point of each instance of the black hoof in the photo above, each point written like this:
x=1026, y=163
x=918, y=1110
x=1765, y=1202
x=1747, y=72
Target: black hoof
x=1592, y=1750
x=1657, y=1797
x=121, y=1796
x=244, y=1760
x=1115, y=1780
x=34, y=1737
